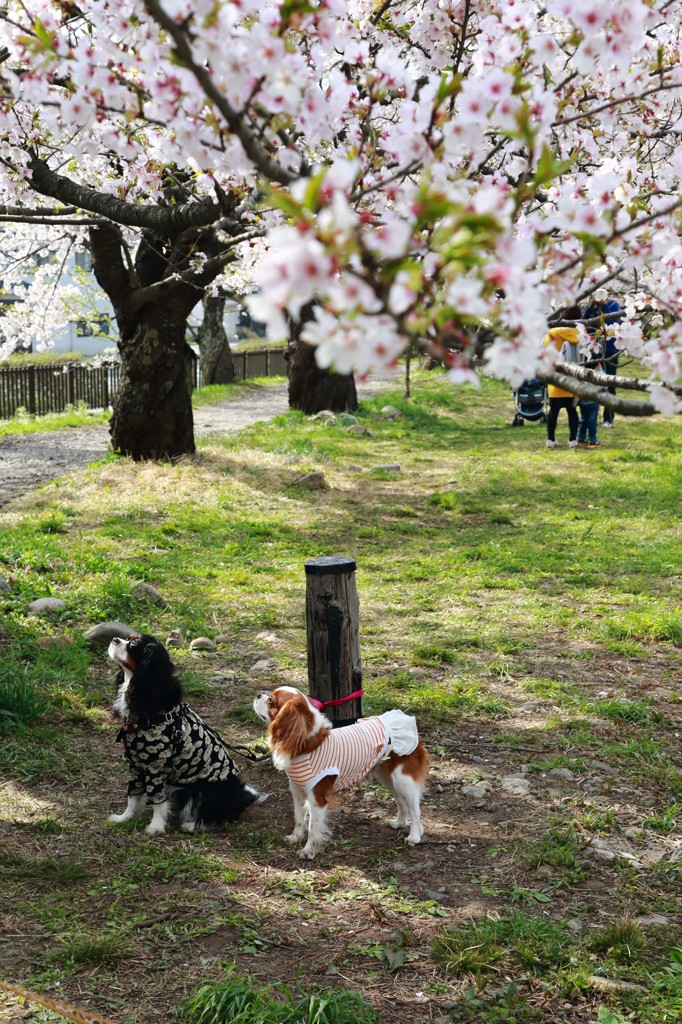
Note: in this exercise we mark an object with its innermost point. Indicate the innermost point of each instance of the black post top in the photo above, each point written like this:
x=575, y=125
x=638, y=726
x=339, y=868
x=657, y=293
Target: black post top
x=329, y=565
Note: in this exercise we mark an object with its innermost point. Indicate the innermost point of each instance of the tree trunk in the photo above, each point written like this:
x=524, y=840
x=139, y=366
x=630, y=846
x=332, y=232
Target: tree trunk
x=217, y=365
x=152, y=416
x=312, y=389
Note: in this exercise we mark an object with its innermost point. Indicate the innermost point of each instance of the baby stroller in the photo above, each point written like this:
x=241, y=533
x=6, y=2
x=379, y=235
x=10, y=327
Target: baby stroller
x=530, y=402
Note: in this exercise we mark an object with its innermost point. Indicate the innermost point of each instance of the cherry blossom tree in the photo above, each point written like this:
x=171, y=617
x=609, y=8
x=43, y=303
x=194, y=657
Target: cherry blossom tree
x=440, y=172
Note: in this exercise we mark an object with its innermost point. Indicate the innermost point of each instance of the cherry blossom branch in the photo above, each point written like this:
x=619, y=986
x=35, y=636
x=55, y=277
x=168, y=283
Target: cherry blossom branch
x=83, y=222
x=272, y=170
x=27, y=212
x=161, y=219
x=661, y=87
x=590, y=393
x=620, y=233
x=613, y=380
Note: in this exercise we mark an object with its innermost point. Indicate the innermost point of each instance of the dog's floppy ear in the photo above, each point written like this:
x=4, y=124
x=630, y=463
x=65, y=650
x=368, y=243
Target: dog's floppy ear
x=289, y=731
x=154, y=688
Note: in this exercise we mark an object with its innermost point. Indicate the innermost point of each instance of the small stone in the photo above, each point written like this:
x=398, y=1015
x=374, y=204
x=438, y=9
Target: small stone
x=222, y=639
x=603, y=853
x=431, y=894
x=260, y=666
x=602, y=767
x=530, y=705
x=574, y=925
x=268, y=638
x=324, y=416
x=651, y=857
x=562, y=773
x=390, y=412
x=387, y=467
x=202, y=643
x=313, y=481
x=676, y=854
x=652, y=921
x=348, y=419
x=46, y=605
x=545, y=871
x=146, y=594
x=104, y=632
x=516, y=785
x=5, y=586
x=174, y=638
x=475, y=792
x=44, y=642
x=357, y=428
x=633, y=832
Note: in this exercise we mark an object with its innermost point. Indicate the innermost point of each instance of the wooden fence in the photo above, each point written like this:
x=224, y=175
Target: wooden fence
x=44, y=389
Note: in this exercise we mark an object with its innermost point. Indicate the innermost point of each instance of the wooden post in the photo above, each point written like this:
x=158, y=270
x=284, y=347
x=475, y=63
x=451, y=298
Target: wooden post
x=332, y=618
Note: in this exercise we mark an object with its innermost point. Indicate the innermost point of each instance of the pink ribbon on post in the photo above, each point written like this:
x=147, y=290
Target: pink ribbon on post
x=321, y=705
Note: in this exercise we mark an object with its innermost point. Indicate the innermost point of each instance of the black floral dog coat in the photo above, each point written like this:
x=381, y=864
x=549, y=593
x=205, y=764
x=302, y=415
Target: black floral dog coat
x=180, y=750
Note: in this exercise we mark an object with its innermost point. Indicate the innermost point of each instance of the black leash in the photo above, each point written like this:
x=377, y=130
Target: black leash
x=245, y=752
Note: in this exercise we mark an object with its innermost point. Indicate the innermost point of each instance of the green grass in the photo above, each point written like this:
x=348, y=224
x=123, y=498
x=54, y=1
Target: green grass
x=518, y=942
x=74, y=416
x=237, y=1000
x=212, y=393
x=531, y=947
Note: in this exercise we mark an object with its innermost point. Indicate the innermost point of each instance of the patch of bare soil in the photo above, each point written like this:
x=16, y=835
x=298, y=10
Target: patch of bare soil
x=177, y=909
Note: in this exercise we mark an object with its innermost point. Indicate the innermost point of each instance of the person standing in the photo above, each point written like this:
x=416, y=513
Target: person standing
x=609, y=312
x=561, y=338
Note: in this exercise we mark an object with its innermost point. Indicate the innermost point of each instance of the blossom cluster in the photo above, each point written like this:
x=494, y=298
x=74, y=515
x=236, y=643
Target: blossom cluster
x=438, y=172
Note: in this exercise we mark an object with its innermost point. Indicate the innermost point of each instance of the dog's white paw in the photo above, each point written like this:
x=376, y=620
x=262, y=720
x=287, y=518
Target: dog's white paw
x=414, y=839
x=295, y=837
x=155, y=830
x=396, y=823
x=308, y=852
x=188, y=826
x=118, y=818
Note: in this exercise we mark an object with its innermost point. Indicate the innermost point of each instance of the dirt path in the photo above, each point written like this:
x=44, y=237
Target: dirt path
x=32, y=459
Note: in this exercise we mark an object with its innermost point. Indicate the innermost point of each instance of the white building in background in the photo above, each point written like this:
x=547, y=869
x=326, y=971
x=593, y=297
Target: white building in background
x=95, y=333
x=90, y=327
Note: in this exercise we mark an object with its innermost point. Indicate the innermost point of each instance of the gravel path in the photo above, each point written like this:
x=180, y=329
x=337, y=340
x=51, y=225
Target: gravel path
x=32, y=459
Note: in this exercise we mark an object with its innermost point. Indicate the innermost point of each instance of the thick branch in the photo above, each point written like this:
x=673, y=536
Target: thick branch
x=110, y=267
x=606, y=380
x=28, y=213
x=198, y=279
x=166, y=220
x=82, y=222
x=624, y=406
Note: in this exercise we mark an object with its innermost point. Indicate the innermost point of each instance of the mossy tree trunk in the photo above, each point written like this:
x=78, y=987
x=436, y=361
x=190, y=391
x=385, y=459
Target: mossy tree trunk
x=152, y=416
x=217, y=364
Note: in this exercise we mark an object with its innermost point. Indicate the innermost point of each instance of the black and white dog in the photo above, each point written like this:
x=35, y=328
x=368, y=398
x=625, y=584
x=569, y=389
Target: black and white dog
x=176, y=763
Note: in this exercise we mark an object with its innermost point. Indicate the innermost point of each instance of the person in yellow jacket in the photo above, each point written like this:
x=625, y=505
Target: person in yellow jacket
x=558, y=398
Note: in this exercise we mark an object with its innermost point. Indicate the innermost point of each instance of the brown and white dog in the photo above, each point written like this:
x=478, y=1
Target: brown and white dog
x=320, y=761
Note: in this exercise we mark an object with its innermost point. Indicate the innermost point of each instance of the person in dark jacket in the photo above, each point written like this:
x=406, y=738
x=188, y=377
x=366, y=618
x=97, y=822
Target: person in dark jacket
x=609, y=312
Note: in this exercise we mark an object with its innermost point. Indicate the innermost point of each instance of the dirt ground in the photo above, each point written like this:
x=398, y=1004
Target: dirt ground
x=362, y=915
x=26, y=461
